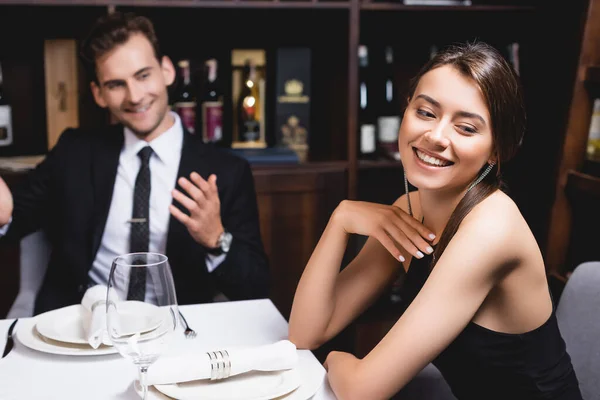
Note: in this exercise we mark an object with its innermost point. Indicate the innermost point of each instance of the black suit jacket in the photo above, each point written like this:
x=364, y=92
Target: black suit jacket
x=69, y=195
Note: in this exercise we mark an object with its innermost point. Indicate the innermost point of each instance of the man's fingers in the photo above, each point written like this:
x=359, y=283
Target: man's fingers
x=184, y=200
x=193, y=190
x=212, y=180
x=179, y=215
x=203, y=185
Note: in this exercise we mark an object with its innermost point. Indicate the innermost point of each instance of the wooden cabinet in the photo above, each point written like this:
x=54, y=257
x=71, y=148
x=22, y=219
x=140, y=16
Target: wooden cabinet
x=295, y=205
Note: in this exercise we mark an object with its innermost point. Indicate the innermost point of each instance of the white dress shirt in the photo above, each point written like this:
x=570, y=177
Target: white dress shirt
x=164, y=165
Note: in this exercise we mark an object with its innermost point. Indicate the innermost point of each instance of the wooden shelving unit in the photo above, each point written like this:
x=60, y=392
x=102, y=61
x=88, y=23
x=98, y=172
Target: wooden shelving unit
x=187, y=3
x=583, y=185
x=390, y=6
x=296, y=201
x=572, y=210
x=367, y=164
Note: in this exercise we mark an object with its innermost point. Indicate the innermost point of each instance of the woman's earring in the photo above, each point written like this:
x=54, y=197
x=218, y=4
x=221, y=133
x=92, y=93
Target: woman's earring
x=483, y=175
x=407, y=195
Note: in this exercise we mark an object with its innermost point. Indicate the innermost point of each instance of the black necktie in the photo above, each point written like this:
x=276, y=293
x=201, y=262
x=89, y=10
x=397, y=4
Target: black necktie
x=140, y=225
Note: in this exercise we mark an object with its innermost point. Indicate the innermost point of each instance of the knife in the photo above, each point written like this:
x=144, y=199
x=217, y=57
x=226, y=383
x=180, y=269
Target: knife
x=9, y=339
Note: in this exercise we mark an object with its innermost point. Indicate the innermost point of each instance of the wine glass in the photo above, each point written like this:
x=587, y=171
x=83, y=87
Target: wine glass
x=141, y=309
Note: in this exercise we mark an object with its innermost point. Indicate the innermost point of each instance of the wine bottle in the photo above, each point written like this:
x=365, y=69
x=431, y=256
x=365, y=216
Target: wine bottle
x=185, y=98
x=5, y=116
x=388, y=122
x=249, y=105
x=593, y=144
x=367, y=134
x=211, y=105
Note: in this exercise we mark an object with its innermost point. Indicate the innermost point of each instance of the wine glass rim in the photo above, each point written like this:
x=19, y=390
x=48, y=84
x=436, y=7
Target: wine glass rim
x=120, y=260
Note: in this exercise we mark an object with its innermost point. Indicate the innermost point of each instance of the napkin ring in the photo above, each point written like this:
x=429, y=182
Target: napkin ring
x=220, y=365
x=96, y=304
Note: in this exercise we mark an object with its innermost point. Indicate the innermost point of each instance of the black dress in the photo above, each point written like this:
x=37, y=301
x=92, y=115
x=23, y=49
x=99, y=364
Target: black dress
x=483, y=364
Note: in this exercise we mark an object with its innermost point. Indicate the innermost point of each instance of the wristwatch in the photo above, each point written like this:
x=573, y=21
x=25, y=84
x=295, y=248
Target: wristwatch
x=223, y=244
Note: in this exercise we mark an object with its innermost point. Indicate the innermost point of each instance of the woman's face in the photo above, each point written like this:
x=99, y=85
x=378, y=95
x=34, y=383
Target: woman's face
x=445, y=137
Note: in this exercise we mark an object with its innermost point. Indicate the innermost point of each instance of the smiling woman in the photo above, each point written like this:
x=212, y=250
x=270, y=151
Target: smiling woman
x=457, y=119
x=476, y=302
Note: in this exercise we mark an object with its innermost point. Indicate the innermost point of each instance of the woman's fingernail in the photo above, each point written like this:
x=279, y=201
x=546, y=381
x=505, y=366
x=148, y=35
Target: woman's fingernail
x=402, y=259
x=429, y=249
x=431, y=236
x=420, y=255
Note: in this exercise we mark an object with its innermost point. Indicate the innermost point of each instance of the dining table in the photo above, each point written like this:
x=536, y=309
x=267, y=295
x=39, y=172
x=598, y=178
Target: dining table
x=30, y=374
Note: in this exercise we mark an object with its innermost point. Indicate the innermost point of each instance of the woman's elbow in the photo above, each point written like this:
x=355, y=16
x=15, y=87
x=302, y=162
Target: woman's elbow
x=304, y=341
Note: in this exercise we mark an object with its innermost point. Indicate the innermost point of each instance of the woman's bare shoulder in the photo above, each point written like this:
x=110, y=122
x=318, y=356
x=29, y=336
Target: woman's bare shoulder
x=499, y=217
x=497, y=207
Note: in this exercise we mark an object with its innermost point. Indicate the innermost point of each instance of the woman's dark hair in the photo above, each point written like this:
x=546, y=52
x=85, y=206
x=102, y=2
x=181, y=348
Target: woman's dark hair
x=113, y=30
x=501, y=89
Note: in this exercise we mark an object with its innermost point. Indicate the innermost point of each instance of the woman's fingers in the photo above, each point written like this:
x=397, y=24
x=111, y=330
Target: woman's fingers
x=389, y=244
x=408, y=238
x=416, y=225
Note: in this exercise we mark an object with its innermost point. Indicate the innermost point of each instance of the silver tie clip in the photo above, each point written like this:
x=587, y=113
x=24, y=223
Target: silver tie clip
x=137, y=220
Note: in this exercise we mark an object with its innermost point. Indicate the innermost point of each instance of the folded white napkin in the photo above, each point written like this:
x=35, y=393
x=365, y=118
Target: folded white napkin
x=94, y=326
x=271, y=357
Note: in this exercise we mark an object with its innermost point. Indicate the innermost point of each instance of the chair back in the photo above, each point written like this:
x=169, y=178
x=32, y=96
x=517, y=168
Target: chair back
x=578, y=314
x=34, y=256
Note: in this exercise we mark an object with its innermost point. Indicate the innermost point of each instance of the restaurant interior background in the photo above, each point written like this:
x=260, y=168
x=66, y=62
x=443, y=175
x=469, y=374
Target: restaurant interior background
x=320, y=140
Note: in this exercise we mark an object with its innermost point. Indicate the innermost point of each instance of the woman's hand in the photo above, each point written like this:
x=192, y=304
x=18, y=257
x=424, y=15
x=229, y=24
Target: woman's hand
x=6, y=203
x=390, y=225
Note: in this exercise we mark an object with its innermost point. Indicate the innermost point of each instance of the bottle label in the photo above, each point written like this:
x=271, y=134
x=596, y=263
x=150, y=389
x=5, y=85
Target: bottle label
x=212, y=121
x=187, y=113
x=5, y=126
x=367, y=139
x=251, y=131
x=388, y=128
x=594, y=132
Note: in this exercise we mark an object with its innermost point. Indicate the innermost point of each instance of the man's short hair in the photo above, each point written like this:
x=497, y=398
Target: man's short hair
x=113, y=30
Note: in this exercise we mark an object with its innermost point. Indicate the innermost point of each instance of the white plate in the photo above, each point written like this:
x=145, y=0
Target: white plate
x=28, y=336
x=254, y=385
x=66, y=324
x=311, y=375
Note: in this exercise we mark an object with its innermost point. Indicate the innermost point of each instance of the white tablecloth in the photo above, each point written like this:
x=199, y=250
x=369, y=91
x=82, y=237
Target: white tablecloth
x=27, y=374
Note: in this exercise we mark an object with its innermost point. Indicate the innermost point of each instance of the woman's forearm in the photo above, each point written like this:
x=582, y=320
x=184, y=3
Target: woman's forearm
x=315, y=298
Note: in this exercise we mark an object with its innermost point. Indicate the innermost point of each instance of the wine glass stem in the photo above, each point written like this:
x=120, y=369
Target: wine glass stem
x=143, y=385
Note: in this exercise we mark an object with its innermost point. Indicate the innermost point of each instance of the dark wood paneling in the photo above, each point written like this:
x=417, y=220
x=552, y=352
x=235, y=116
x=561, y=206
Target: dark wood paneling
x=294, y=207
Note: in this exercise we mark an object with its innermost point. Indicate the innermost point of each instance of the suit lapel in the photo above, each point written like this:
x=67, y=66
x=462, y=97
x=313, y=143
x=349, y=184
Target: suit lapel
x=105, y=162
x=191, y=160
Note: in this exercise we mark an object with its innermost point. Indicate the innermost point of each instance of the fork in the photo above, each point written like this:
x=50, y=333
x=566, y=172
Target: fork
x=189, y=332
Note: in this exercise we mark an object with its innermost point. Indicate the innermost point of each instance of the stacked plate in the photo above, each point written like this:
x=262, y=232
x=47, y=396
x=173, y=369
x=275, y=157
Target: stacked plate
x=248, y=386
x=300, y=383
x=62, y=331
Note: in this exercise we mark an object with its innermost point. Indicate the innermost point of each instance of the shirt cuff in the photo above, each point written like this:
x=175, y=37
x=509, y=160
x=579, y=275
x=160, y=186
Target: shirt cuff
x=4, y=229
x=213, y=261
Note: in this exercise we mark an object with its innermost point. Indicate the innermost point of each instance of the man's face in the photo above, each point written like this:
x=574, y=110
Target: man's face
x=132, y=84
